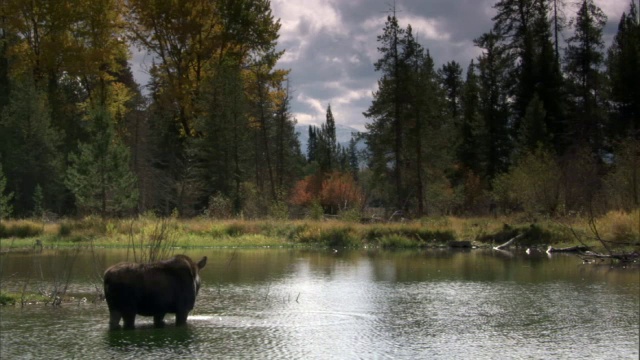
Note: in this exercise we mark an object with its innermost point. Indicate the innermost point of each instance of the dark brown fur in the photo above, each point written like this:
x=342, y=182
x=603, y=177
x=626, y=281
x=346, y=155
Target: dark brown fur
x=155, y=289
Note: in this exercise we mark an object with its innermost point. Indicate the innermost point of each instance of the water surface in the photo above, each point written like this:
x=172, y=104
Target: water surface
x=288, y=303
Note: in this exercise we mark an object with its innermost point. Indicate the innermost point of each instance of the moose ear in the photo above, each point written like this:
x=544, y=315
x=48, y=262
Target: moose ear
x=202, y=263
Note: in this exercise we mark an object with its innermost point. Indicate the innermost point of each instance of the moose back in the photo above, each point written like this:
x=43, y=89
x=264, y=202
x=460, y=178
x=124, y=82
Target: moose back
x=154, y=289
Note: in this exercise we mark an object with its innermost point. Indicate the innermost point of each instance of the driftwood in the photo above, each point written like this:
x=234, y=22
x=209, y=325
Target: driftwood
x=590, y=256
x=508, y=243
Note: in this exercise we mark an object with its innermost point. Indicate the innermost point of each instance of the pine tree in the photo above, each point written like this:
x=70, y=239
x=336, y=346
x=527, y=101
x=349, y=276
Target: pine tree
x=99, y=175
x=385, y=137
x=623, y=68
x=327, y=145
x=493, y=67
x=524, y=33
x=549, y=87
x=451, y=78
x=312, y=144
x=38, y=202
x=420, y=115
x=30, y=145
x=559, y=23
x=584, y=59
x=354, y=163
x=4, y=64
x=222, y=150
x=513, y=25
x=289, y=158
x=533, y=133
x=471, y=137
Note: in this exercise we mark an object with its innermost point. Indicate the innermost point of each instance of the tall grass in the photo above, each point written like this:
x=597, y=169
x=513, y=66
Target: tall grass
x=620, y=227
x=150, y=245
x=149, y=237
x=20, y=229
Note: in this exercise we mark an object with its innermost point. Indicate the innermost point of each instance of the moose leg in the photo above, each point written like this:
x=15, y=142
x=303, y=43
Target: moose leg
x=129, y=320
x=114, y=320
x=181, y=318
x=158, y=320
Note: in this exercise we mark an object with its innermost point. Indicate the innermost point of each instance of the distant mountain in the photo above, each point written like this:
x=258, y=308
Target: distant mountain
x=343, y=136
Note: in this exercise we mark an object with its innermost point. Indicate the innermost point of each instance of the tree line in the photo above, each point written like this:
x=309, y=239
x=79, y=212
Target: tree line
x=535, y=125
x=76, y=126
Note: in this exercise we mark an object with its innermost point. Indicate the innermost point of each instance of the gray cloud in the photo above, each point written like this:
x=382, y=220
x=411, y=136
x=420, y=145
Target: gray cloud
x=331, y=46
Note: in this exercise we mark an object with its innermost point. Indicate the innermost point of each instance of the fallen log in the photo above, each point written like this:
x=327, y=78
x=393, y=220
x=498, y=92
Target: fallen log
x=508, y=243
x=570, y=249
x=460, y=244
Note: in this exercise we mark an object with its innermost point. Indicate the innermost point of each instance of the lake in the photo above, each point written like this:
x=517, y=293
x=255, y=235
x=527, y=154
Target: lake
x=323, y=304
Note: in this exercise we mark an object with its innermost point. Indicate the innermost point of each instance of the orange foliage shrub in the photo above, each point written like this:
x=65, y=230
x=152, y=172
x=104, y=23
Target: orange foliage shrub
x=337, y=192
x=306, y=191
x=340, y=192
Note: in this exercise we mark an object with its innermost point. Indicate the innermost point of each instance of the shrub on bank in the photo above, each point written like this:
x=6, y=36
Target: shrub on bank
x=6, y=299
x=93, y=225
x=395, y=241
x=534, y=235
x=420, y=234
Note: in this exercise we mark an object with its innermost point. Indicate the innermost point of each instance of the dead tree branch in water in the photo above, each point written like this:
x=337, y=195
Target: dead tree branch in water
x=508, y=243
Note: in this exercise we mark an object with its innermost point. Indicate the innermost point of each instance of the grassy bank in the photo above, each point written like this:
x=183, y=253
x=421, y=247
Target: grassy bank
x=615, y=227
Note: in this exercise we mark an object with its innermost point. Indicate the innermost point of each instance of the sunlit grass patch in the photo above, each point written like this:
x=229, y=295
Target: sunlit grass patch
x=620, y=226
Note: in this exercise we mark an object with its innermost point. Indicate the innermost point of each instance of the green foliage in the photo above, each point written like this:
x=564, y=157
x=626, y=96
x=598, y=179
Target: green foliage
x=29, y=144
x=316, y=212
x=5, y=198
x=340, y=237
x=254, y=203
x=533, y=131
x=351, y=215
x=6, y=299
x=220, y=207
x=533, y=235
x=622, y=184
x=279, y=210
x=38, y=202
x=533, y=183
x=65, y=229
x=396, y=241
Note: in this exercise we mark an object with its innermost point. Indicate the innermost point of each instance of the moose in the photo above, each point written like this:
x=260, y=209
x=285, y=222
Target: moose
x=154, y=289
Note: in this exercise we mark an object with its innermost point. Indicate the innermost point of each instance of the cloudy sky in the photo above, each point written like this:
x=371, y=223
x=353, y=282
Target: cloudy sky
x=331, y=45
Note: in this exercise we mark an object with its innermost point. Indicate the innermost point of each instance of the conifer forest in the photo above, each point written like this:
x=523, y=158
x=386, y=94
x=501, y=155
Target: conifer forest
x=537, y=123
